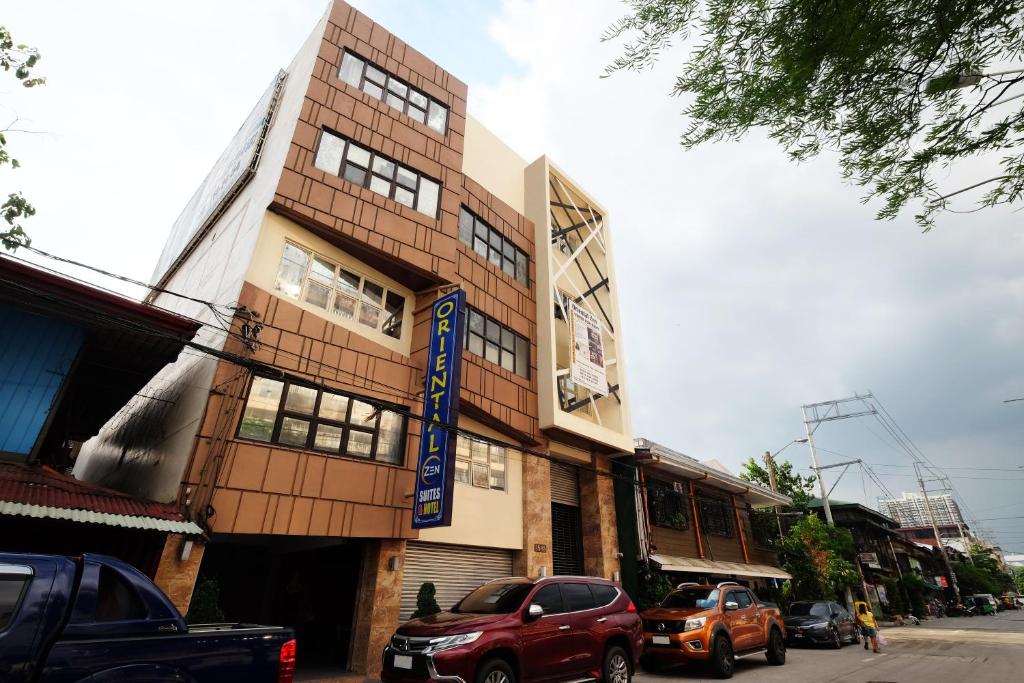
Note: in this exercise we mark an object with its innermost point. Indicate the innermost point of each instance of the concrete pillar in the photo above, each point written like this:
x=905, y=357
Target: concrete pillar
x=177, y=577
x=536, y=552
x=597, y=512
x=379, y=604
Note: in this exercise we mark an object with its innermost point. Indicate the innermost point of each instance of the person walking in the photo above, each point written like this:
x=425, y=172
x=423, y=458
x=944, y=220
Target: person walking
x=868, y=627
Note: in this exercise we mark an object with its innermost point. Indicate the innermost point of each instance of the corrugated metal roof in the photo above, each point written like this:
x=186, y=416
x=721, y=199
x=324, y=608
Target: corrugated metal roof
x=44, y=493
x=699, y=566
x=90, y=516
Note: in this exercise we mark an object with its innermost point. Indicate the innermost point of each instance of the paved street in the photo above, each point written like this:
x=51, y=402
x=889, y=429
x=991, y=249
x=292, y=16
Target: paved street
x=979, y=649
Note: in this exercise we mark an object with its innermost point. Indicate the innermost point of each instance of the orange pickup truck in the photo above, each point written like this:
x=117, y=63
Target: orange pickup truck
x=714, y=625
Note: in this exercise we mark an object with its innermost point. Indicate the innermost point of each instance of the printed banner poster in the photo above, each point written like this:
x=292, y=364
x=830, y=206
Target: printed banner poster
x=435, y=468
x=587, y=352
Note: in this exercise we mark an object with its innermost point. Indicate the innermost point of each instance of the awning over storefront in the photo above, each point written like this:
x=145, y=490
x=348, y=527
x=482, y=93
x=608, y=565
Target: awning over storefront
x=695, y=565
x=44, y=493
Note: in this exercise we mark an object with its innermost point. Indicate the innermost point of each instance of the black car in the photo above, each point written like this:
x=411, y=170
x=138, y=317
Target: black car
x=820, y=622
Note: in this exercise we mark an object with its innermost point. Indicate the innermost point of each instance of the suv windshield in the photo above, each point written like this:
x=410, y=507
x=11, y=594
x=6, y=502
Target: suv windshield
x=699, y=598
x=808, y=609
x=494, y=598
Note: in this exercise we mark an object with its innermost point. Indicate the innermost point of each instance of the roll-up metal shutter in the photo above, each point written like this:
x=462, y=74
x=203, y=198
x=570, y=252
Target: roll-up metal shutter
x=565, y=485
x=455, y=570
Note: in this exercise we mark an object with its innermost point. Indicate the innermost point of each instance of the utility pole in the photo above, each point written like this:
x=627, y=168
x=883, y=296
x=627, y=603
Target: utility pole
x=935, y=529
x=827, y=411
x=769, y=463
x=817, y=469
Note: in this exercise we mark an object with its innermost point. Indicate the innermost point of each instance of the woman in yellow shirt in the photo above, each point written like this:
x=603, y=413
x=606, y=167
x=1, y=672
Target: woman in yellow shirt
x=868, y=627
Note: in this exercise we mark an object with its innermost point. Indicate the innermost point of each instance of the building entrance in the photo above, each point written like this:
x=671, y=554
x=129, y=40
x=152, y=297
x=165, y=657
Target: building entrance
x=308, y=584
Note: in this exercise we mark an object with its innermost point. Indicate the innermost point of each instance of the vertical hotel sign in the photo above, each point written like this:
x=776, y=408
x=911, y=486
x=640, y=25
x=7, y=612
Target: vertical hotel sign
x=435, y=468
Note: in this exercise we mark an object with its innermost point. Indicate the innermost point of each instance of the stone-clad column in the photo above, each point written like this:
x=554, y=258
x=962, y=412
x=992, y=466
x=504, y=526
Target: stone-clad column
x=380, y=597
x=536, y=551
x=597, y=513
x=177, y=578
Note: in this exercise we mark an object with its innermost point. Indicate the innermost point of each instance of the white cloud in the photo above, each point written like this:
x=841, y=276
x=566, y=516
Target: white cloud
x=751, y=285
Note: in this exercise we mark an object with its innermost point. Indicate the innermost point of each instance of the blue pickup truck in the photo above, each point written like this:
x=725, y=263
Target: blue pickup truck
x=95, y=619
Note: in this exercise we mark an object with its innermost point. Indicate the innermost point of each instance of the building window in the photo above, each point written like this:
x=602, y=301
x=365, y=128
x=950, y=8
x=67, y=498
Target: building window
x=764, y=527
x=715, y=515
x=330, y=422
x=491, y=245
x=375, y=81
x=315, y=279
x=480, y=464
x=491, y=340
x=667, y=504
x=377, y=172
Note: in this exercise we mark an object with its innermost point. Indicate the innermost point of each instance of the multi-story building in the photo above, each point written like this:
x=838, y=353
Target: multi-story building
x=694, y=520
x=359, y=192
x=911, y=510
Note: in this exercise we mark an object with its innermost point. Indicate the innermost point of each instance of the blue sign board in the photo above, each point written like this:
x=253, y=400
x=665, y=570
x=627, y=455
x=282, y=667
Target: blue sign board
x=435, y=469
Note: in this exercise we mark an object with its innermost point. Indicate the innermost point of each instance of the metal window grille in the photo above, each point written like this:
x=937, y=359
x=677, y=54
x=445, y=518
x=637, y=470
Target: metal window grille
x=667, y=507
x=715, y=515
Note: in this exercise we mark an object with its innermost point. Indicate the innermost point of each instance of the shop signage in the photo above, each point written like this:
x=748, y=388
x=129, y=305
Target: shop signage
x=435, y=468
x=870, y=560
x=942, y=581
x=233, y=170
x=587, y=350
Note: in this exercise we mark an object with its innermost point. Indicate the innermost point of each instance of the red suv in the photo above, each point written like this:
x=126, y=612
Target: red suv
x=519, y=630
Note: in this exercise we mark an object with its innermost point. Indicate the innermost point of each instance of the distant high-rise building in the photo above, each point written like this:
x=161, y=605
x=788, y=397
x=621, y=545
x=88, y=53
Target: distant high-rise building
x=911, y=510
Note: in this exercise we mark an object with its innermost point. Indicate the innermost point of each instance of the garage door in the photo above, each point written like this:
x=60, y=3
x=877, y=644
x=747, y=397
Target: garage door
x=454, y=570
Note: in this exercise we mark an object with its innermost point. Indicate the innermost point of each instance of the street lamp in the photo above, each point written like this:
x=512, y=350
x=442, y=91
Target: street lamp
x=964, y=80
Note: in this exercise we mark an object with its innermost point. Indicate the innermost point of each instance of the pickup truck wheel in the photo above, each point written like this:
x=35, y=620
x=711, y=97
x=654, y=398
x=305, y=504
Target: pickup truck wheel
x=723, y=660
x=776, y=649
x=495, y=671
x=616, y=666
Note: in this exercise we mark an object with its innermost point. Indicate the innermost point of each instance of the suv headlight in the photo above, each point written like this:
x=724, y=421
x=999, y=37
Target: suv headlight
x=694, y=624
x=819, y=627
x=448, y=642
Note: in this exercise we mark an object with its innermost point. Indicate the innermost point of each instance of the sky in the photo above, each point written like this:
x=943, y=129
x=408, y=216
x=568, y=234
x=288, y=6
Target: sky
x=749, y=285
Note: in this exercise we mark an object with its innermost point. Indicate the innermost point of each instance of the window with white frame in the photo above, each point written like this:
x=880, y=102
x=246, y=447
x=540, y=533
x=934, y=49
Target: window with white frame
x=317, y=280
x=480, y=464
x=379, y=173
x=376, y=82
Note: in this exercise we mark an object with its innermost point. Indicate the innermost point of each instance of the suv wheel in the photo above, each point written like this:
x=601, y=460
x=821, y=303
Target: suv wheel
x=836, y=643
x=495, y=671
x=723, y=660
x=616, y=666
x=776, y=649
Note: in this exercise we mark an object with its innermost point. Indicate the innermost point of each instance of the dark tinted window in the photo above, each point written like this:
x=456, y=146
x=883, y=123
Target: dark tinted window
x=494, y=598
x=550, y=598
x=700, y=598
x=10, y=595
x=577, y=597
x=742, y=598
x=809, y=609
x=603, y=595
x=116, y=600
